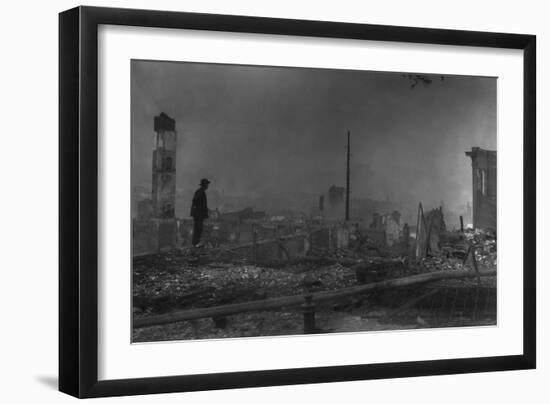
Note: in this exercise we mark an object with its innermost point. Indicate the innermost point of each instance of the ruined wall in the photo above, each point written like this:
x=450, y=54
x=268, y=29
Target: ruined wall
x=143, y=237
x=393, y=232
x=341, y=236
x=266, y=232
x=378, y=236
x=278, y=249
x=320, y=239
x=484, y=188
x=155, y=229
x=336, y=196
x=166, y=234
x=330, y=237
x=153, y=236
x=245, y=233
x=144, y=210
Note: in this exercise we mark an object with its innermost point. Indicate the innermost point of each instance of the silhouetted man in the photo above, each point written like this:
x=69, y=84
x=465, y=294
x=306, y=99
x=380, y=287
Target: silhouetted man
x=199, y=211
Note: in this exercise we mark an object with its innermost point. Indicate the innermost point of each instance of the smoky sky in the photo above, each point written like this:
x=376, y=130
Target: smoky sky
x=255, y=130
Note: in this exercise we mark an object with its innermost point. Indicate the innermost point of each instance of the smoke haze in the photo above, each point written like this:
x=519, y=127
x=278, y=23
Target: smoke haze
x=277, y=134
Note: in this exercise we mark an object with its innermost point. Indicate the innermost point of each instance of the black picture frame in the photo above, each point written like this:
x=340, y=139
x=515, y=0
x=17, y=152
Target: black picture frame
x=78, y=201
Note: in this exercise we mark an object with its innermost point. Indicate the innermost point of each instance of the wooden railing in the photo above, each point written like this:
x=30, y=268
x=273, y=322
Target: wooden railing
x=307, y=301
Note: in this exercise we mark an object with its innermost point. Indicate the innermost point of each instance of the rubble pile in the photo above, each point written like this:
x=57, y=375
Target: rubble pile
x=455, y=254
x=185, y=279
x=163, y=282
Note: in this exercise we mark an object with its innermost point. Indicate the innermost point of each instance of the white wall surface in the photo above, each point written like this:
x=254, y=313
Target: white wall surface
x=28, y=203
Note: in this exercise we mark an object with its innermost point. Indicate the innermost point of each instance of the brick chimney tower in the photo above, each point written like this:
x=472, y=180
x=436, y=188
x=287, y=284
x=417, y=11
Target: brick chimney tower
x=164, y=167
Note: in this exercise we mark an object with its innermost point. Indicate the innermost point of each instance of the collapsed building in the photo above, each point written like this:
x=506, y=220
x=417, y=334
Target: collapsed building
x=386, y=229
x=156, y=228
x=230, y=227
x=434, y=281
x=336, y=196
x=428, y=231
x=431, y=227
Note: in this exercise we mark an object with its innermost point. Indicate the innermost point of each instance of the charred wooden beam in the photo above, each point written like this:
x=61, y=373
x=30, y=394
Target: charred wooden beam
x=321, y=261
x=293, y=301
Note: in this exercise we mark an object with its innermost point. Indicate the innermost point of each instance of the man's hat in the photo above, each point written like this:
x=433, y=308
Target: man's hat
x=204, y=181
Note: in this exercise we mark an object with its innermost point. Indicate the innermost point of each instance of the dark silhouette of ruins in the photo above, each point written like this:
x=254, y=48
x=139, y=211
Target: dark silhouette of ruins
x=484, y=192
x=155, y=227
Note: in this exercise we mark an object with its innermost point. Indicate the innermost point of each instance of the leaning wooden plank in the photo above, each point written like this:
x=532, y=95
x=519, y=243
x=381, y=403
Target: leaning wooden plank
x=292, y=301
x=281, y=263
x=308, y=260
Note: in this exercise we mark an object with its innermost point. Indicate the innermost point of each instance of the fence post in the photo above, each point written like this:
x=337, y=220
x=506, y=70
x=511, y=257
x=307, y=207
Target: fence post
x=309, y=315
x=254, y=243
x=220, y=322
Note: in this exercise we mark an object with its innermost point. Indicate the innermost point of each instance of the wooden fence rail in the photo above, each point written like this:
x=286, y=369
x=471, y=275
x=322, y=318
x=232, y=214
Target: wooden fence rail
x=279, y=303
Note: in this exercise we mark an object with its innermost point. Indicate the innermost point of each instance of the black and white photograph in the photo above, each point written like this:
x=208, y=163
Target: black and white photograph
x=277, y=201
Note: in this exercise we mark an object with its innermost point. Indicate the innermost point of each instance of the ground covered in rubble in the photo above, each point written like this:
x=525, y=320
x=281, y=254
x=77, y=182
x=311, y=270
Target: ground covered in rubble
x=185, y=280
x=167, y=282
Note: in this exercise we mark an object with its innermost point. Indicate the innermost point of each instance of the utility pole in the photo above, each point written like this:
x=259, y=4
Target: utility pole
x=347, y=182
